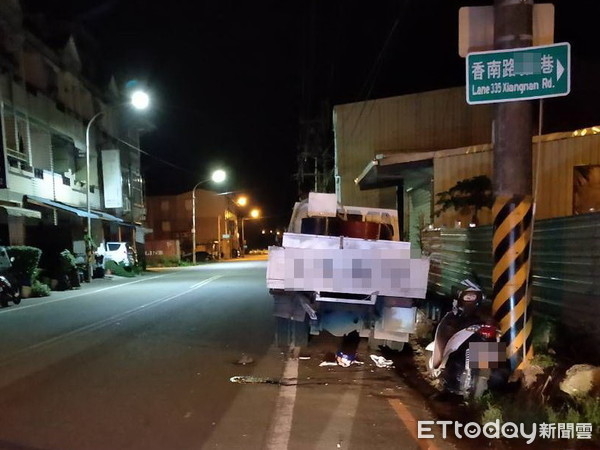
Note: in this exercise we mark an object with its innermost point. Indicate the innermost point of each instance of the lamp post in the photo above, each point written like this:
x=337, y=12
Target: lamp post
x=254, y=214
x=139, y=100
x=218, y=176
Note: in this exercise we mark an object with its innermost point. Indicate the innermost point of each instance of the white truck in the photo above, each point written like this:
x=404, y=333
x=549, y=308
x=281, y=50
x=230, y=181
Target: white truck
x=334, y=272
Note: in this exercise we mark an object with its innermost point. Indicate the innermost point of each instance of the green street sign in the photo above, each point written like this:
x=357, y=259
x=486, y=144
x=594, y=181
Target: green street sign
x=519, y=74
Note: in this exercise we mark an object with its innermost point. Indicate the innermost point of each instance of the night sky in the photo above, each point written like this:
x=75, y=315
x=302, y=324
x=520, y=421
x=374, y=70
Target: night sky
x=230, y=81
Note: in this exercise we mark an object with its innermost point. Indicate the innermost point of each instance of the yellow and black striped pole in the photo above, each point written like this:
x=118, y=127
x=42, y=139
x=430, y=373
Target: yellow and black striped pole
x=512, y=307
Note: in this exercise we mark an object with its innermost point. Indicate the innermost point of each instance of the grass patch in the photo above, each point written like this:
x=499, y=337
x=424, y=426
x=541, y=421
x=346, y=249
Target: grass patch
x=584, y=410
x=491, y=412
x=543, y=360
x=122, y=270
x=172, y=262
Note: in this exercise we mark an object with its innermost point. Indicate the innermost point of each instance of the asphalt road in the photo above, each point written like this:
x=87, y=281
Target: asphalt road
x=145, y=363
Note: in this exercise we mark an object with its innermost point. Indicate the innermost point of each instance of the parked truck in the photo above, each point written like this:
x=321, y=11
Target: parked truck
x=342, y=269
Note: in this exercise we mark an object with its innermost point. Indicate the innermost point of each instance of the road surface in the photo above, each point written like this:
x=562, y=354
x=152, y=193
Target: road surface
x=145, y=363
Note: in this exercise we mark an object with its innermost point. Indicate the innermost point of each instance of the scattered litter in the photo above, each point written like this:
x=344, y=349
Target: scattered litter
x=380, y=361
x=304, y=357
x=341, y=359
x=248, y=379
x=244, y=360
x=344, y=360
x=244, y=379
x=328, y=363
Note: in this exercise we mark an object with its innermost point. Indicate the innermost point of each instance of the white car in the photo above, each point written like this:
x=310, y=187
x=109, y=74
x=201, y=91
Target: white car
x=119, y=252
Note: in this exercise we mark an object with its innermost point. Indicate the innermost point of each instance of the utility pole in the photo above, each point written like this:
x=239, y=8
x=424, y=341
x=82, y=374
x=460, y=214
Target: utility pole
x=513, y=207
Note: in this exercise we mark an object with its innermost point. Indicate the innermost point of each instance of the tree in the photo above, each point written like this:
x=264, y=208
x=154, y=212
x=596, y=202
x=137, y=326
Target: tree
x=468, y=196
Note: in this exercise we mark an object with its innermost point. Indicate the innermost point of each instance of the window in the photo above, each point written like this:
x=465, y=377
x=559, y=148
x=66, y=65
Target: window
x=64, y=153
x=137, y=189
x=586, y=189
x=188, y=205
x=164, y=206
x=166, y=225
x=16, y=135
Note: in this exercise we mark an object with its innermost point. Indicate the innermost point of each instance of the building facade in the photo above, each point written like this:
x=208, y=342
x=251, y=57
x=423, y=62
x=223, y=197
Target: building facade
x=403, y=151
x=170, y=218
x=45, y=106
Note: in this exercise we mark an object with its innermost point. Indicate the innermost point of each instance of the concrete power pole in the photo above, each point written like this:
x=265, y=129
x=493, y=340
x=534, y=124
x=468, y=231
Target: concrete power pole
x=513, y=210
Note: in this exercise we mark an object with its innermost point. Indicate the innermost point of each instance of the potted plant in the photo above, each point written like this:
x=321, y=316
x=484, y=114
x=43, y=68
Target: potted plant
x=467, y=196
x=25, y=261
x=68, y=276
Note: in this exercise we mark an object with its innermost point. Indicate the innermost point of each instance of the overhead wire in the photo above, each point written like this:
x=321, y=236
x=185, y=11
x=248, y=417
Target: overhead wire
x=164, y=161
x=369, y=83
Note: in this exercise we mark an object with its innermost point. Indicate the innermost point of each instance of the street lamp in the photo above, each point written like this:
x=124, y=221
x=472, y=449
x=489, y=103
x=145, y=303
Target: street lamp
x=218, y=176
x=254, y=214
x=139, y=100
x=242, y=201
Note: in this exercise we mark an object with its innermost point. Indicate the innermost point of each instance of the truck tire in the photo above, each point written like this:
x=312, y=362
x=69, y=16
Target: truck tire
x=290, y=333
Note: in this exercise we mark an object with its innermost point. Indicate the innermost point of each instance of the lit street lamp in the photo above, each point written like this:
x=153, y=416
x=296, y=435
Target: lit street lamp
x=218, y=176
x=139, y=100
x=254, y=214
x=242, y=201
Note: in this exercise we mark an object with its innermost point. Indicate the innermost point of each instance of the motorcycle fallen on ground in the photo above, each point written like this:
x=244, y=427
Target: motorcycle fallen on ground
x=9, y=292
x=466, y=353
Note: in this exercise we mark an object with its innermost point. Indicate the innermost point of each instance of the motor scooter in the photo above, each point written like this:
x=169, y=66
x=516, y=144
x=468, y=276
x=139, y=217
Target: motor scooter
x=9, y=292
x=466, y=352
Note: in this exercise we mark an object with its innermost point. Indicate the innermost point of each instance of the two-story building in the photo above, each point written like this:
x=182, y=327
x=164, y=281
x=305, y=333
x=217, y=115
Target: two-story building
x=45, y=107
x=170, y=218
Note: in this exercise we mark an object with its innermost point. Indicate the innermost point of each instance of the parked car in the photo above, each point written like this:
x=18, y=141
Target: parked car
x=119, y=252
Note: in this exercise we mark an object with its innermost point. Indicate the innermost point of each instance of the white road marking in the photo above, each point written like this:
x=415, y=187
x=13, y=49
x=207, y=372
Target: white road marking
x=104, y=322
x=337, y=432
x=281, y=425
x=48, y=302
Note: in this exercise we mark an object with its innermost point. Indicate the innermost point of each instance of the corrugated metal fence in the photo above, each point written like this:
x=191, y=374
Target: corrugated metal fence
x=565, y=274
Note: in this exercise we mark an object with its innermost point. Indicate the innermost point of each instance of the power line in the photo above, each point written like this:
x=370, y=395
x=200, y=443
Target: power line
x=164, y=161
x=372, y=76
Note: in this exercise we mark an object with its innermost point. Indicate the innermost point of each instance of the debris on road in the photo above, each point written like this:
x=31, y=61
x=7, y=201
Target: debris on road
x=245, y=360
x=328, y=363
x=249, y=379
x=344, y=359
x=339, y=359
x=381, y=362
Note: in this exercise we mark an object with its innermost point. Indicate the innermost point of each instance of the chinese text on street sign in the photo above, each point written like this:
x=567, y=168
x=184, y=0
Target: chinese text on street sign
x=518, y=74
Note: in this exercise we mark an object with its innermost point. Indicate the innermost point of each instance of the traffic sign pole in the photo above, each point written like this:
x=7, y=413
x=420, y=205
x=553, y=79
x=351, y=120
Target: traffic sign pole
x=512, y=180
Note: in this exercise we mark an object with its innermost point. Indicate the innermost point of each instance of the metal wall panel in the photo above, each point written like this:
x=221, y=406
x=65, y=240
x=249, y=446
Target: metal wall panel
x=559, y=155
x=565, y=273
x=416, y=122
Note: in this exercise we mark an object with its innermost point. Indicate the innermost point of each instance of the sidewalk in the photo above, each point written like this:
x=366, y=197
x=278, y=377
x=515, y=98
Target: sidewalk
x=94, y=285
